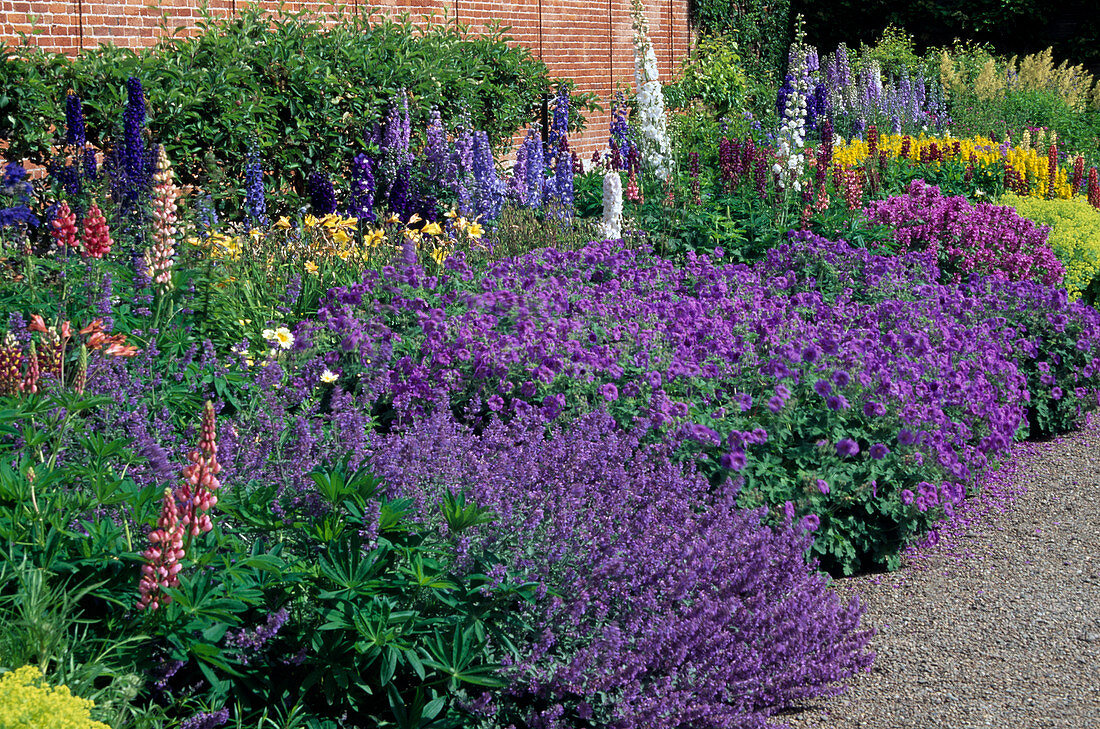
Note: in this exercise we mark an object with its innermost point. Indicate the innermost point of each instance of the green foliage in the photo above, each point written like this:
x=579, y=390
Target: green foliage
x=28, y=81
x=760, y=28
x=383, y=617
x=712, y=75
x=895, y=53
x=521, y=229
x=305, y=93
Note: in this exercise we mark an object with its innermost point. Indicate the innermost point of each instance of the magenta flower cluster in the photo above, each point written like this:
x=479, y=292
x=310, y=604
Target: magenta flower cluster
x=991, y=240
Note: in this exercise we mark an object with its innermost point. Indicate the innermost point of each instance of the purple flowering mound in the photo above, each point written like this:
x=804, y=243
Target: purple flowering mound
x=760, y=372
x=992, y=240
x=667, y=605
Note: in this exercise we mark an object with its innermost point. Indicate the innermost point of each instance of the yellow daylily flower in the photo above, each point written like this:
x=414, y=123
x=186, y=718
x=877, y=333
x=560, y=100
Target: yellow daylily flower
x=340, y=236
x=450, y=214
x=375, y=237
x=433, y=229
x=415, y=219
x=439, y=255
x=312, y=268
x=310, y=221
x=283, y=222
x=393, y=219
x=474, y=230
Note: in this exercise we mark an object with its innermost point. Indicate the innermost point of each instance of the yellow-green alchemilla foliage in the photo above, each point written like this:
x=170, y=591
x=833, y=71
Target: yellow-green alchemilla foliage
x=28, y=702
x=1074, y=235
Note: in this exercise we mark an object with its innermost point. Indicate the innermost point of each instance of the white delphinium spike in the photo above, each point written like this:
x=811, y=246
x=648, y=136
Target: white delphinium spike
x=611, y=225
x=655, y=146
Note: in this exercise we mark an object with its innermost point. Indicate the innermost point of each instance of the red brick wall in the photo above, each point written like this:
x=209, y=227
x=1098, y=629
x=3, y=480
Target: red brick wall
x=586, y=40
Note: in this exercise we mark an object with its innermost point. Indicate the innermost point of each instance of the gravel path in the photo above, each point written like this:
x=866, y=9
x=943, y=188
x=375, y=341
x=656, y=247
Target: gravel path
x=998, y=624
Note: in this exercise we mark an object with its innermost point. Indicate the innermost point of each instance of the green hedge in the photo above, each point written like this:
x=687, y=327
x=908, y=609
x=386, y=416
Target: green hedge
x=762, y=29
x=303, y=92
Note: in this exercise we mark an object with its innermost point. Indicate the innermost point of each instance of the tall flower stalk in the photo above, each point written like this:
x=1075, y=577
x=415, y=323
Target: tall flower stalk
x=255, y=202
x=184, y=514
x=162, y=254
x=611, y=225
x=656, y=148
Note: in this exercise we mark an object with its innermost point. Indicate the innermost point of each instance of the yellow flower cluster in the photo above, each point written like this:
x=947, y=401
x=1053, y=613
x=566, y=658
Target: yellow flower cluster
x=1074, y=235
x=28, y=702
x=334, y=237
x=1030, y=163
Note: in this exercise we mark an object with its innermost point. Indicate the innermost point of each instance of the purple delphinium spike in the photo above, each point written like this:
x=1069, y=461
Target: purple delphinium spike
x=436, y=150
x=535, y=182
x=255, y=201
x=361, y=200
x=464, y=165
x=620, y=131
x=91, y=169
x=75, y=132
x=490, y=189
x=517, y=184
x=322, y=196
x=559, y=123
x=783, y=95
x=206, y=216
x=133, y=151
x=563, y=181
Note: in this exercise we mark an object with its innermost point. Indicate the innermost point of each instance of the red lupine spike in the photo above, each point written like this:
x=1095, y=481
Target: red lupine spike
x=96, y=240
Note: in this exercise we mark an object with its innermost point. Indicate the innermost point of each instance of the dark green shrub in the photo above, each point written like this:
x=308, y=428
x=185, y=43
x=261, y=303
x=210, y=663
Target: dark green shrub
x=306, y=94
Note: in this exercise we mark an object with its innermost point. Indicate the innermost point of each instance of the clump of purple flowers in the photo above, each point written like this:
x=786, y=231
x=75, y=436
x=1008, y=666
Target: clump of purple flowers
x=665, y=604
x=247, y=644
x=939, y=374
x=986, y=239
x=15, y=194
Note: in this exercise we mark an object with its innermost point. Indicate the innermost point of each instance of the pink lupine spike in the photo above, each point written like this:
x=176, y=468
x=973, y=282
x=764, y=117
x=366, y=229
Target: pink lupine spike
x=63, y=226
x=162, y=558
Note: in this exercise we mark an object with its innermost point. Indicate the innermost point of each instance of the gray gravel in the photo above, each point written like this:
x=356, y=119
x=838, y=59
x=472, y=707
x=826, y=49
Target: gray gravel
x=998, y=624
